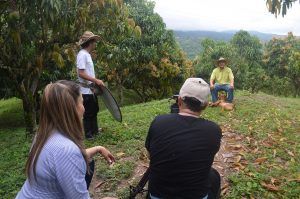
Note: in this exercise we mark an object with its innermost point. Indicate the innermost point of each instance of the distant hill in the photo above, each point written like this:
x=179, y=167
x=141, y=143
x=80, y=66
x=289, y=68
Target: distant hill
x=190, y=41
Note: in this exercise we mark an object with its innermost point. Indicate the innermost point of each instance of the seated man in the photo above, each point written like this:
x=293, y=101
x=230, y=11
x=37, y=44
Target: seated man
x=222, y=79
x=182, y=148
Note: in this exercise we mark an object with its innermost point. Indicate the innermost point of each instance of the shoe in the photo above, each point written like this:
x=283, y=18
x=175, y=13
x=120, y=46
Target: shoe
x=89, y=137
x=100, y=130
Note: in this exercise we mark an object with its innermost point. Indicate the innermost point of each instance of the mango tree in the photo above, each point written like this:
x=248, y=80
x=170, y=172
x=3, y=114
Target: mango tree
x=38, y=43
x=158, y=63
x=282, y=61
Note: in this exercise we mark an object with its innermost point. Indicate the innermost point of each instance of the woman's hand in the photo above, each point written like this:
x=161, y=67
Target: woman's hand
x=106, y=154
x=91, y=152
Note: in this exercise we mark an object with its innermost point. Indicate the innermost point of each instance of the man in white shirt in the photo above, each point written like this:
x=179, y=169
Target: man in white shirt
x=86, y=75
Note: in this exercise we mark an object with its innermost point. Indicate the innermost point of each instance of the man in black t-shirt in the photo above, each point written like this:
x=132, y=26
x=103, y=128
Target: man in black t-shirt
x=182, y=148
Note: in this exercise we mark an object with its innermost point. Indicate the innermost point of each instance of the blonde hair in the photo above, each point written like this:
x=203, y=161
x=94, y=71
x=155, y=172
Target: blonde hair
x=58, y=112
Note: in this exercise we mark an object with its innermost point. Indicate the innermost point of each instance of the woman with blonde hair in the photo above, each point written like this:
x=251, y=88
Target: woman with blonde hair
x=58, y=163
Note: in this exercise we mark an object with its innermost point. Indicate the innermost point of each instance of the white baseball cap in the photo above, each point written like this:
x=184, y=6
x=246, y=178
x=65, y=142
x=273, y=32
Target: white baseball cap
x=197, y=88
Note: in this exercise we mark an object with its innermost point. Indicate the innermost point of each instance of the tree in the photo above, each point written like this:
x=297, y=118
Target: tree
x=33, y=37
x=249, y=72
x=158, y=64
x=244, y=55
x=279, y=6
x=282, y=60
x=38, y=42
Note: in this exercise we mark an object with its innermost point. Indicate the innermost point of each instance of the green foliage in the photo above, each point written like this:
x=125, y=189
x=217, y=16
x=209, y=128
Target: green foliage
x=274, y=69
x=279, y=6
x=34, y=38
x=212, y=51
x=158, y=65
x=282, y=62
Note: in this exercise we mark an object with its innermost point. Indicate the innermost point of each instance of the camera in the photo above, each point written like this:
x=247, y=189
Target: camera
x=174, y=107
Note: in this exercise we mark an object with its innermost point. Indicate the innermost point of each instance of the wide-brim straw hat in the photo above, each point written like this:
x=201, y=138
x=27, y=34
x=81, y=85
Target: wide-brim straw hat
x=221, y=59
x=88, y=35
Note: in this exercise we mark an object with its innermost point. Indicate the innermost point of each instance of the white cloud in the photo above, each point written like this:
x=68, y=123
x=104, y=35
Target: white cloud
x=219, y=15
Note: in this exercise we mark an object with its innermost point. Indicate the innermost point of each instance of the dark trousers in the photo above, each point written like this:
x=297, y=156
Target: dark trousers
x=89, y=174
x=214, y=184
x=91, y=107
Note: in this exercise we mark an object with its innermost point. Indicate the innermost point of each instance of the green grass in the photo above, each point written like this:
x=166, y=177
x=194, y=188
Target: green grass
x=272, y=125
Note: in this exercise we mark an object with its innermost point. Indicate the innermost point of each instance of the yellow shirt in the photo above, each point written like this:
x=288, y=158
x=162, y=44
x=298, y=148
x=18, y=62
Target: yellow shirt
x=222, y=76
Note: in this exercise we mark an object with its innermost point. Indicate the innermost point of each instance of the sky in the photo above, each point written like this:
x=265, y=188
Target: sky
x=222, y=15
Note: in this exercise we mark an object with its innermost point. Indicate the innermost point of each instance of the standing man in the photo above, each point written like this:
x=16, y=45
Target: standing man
x=86, y=76
x=182, y=148
x=222, y=79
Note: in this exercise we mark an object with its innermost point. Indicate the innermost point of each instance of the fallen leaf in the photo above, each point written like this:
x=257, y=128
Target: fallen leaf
x=236, y=147
x=274, y=153
x=99, y=184
x=120, y=154
x=260, y=160
x=238, y=159
x=267, y=144
x=224, y=189
x=290, y=153
x=269, y=187
x=227, y=155
x=255, y=150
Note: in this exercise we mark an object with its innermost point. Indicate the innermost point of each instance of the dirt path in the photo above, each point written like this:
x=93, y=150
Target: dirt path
x=229, y=159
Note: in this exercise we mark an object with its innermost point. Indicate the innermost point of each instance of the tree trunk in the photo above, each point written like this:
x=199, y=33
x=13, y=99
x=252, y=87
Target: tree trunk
x=121, y=94
x=29, y=113
x=28, y=97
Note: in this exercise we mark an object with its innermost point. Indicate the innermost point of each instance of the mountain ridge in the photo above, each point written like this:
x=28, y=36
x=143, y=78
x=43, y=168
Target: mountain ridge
x=190, y=40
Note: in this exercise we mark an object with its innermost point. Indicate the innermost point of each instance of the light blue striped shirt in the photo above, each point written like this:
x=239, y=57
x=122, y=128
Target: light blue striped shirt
x=60, y=172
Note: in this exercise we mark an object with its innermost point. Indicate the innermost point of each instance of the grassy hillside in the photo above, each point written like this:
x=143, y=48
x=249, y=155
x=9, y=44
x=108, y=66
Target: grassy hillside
x=269, y=125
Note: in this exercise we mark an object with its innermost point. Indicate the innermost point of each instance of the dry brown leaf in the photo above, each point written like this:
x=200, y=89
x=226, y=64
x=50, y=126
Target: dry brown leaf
x=260, y=160
x=99, y=184
x=268, y=144
x=224, y=189
x=290, y=153
x=238, y=159
x=250, y=174
x=239, y=165
x=269, y=187
x=120, y=154
x=274, y=153
x=255, y=150
x=273, y=180
x=227, y=155
x=248, y=139
x=236, y=147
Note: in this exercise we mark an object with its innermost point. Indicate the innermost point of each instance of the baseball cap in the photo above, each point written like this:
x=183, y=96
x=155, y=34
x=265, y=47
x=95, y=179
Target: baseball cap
x=195, y=87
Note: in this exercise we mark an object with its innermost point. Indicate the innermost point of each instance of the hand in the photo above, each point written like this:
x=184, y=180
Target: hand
x=231, y=87
x=106, y=154
x=99, y=82
x=212, y=87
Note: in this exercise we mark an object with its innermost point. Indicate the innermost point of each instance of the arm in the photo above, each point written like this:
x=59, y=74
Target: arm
x=103, y=151
x=212, y=79
x=231, y=77
x=211, y=84
x=85, y=76
x=70, y=170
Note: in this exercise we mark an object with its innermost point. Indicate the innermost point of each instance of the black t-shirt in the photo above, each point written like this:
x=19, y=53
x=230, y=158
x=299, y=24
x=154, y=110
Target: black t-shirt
x=182, y=150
